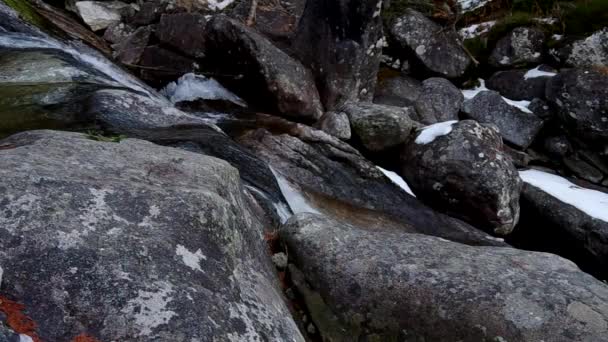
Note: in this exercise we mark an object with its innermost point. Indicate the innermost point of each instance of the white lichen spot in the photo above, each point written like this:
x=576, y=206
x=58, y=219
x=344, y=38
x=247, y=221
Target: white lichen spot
x=420, y=50
x=190, y=259
x=149, y=309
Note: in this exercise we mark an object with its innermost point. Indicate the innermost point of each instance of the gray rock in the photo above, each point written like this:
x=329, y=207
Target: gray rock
x=439, y=101
x=7, y=334
x=436, y=49
x=98, y=15
x=583, y=169
x=523, y=45
x=516, y=126
x=118, y=32
x=400, y=91
x=580, y=97
x=541, y=109
x=467, y=174
x=129, y=239
x=271, y=79
x=155, y=60
x=336, y=124
x=123, y=111
x=395, y=286
x=513, y=85
x=558, y=146
x=380, y=127
x=130, y=50
x=341, y=42
x=149, y=12
x=591, y=51
x=184, y=32
x=336, y=180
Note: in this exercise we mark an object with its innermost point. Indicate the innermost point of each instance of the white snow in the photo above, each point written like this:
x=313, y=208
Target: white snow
x=593, y=203
x=557, y=37
x=470, y=5
x=191, y=87
x=297, y=202
x=218, y=5
x=395, y=178
x=471, y=93
x=429, y=133
x=536, y=72
x=476, y=30
x=192, y=260
x=25, y=338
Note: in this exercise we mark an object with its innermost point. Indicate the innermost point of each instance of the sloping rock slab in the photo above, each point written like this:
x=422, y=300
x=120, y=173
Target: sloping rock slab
x=394, y=286
x=133, y=241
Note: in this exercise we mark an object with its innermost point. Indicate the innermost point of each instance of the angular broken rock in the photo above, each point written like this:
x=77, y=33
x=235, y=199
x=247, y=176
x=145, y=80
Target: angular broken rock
x=460, y=168
x=395, y=286
x=380, y=127
x=591, y=51
x=437, y=49
x=336, y=124
x=516, y=126
x=133, y=242
x=523, y=45
x=98, y=15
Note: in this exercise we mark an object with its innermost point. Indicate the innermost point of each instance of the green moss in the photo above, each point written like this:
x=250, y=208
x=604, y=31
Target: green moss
x=100, y=136
x=583, y=17
x=27, y=12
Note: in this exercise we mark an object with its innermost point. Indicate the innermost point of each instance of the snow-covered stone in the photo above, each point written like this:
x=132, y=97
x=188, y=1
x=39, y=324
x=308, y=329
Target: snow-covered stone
x=429, y=133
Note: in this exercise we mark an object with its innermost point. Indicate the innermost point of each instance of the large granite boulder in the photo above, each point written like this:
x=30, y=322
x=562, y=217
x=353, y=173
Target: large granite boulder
x=580, y=97
x=400, y=91
x=517, y=125
x=523, y=45
x=341, y=41
x=439, y=101
x=380, y=127
x=461, y=168
x=436, y=49
x=133, y=241
x=184, y=32
x=589, y=52
x=271, y=79
x=395, y=286
x=521, y=84
x=331, y=177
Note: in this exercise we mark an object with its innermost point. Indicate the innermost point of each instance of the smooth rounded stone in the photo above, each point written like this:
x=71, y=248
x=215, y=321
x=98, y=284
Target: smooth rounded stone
x=513, y=85
x=271, y=79
x=558, y=146
x=341, y=41
x=523, y=45
x=331, y=177
x=395, y=286
x=184, y=32
x=400, y=91
x=123, y=111
x=439, y=101
x=589, y=52
x=465, y=172
x=580, y=97
x=546, y=214
x=380, y=127
x=130, y=239
x=436, y=49
x=98, y=15
x=583, y=169
x=130, y=50
x=516, y=126
x=336, y=124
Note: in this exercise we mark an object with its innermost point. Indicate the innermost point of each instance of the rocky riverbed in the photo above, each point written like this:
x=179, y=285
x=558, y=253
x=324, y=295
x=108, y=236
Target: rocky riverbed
x=303, y=170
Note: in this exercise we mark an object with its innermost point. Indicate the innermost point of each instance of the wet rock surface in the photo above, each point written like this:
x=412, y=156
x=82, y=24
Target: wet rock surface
x=130, y=240
x=466, y=174
x=411, y=294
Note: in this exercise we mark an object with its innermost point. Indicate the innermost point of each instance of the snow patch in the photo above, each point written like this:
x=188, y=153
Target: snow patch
x=536, y=72
x=218, y=5
x=192, y=87
x=149, y=309
x=471, y=93
x=192, y=260
x=593, y=203
x=476, y=30
x=295, y=200
x=557, y=37
x=25, y=338
x=429, y=133
x=395, y=178
x=471, y=5
x=521, y=105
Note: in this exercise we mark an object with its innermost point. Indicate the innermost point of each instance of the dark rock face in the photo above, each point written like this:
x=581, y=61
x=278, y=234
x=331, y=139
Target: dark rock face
x=161, y=66
x=149, y=13
x=516, y=126
x=578, y=228
x=129, y=239
x=389, y=286
x=513, y=85
x=439, y=101
x=524, y=45
x=437, y=50
x=270, y=78
x=589, y=52
x=336, y=124
x=332, y=171
x=130, y=50
x=341, y=41
x=400, y=91
x=466, y=174
x=558, y=146
x=380, y=127
x=581, y=99
x=583, y=169
x=185, y=32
